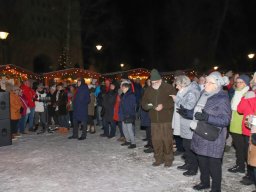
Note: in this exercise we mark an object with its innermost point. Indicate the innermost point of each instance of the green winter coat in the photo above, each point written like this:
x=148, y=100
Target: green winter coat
x=236, y=123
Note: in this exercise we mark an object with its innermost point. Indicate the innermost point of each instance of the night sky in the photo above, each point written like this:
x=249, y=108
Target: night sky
x=171, y=34
x=165, y=34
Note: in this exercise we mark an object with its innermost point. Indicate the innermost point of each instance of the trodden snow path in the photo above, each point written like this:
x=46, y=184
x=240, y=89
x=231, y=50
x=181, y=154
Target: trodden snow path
x=53, y=163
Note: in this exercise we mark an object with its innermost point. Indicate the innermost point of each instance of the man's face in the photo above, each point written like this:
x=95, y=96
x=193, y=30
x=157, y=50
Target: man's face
x=112, y=86
x=59, y=87
x=156, y=84
x=107, y=83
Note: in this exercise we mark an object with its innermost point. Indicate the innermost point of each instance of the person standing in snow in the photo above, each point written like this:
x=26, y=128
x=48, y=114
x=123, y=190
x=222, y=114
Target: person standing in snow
x=214, y=108
x=186, y=99
x=80, y=114
x=242, y=87
x=158, y=101
x=127, y=114
x=40, y=113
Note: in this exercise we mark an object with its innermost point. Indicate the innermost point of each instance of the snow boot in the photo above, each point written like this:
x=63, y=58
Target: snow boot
x=88, y=128
x=92, y=130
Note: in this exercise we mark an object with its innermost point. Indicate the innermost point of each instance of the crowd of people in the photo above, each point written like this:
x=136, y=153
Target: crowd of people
x=197, y=115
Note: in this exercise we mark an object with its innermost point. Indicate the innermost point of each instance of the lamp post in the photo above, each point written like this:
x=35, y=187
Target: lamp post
x=3, y=37
x=215, y=68
x=98, y=47
x=251, y=58
x=251, y=55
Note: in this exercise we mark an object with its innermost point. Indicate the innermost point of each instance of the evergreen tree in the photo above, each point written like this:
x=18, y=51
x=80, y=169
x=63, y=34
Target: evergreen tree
x=64, y=60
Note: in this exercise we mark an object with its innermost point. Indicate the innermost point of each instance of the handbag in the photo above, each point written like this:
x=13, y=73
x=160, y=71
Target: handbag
x=207, y=131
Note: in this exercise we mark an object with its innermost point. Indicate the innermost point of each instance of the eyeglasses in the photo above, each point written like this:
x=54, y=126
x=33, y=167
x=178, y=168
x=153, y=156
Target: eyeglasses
x=239, y=82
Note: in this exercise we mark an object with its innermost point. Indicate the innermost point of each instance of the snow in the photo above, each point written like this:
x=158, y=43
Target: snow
x=53, y=163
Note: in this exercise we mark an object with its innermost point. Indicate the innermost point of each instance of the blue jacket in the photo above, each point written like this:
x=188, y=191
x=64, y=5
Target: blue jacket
x=127, y=108
x=81, y=101
x=219, y=110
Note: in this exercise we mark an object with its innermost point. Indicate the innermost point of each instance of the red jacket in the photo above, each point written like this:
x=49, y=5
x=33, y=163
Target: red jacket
x=29, y=95
x=116, y=108
x=25, y=105
x=246, y=107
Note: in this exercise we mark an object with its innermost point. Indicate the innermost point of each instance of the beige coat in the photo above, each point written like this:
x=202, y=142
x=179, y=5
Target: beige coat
x=91, y=106
x=252, y=154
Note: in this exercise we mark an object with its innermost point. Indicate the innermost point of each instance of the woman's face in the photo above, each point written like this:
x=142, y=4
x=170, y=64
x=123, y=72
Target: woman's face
x=240, y=84
x=210, y=85
x=78, y=83
x=16, y=91
x=179, y=87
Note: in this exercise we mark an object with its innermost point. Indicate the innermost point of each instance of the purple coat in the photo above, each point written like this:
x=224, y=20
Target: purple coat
x=219, y=110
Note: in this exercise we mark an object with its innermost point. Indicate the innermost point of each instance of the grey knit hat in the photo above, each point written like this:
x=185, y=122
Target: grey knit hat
x=217, y=77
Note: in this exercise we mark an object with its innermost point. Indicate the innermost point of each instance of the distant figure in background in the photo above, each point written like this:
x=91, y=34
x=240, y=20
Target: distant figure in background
x=138, y=92
x=201, y=83
x=61, y=106
x=52, y=116
x=127, y=114
x=16, y=108
x=146, y=122
x=71, y=95
x=40, y=111
x=91, y=112
x=29, y=94
x=24, y=114
x=116, y=115
x=108, y=104
x=80, y=114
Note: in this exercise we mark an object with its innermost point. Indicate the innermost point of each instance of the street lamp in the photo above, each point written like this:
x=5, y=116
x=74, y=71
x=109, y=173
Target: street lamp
x=215, y=68
x=99, y=47
x=251, y=55
x=3, y=37
x=122, y=65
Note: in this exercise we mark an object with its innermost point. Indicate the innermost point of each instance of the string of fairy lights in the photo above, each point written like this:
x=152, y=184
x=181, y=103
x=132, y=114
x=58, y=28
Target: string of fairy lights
x=14, y=72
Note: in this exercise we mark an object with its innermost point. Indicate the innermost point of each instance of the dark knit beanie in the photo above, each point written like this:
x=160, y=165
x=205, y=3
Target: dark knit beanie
x=154, y=75
x=245, y=79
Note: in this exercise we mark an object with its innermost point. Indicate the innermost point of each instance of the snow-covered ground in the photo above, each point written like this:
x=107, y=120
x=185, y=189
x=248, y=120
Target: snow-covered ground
x=53, y=163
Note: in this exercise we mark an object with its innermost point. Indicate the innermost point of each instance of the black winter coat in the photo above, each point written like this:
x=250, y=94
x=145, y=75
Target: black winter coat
x=108, y=104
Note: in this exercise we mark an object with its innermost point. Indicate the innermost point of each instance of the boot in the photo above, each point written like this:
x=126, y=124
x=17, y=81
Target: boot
x=83, y=137
x=36, y=127
x=42, y=130
x=92, y=129
x=84, y=134
x=88, y=128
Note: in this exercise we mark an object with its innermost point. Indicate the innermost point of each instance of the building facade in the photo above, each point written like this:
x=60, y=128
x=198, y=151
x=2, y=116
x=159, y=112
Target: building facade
x=41, y=31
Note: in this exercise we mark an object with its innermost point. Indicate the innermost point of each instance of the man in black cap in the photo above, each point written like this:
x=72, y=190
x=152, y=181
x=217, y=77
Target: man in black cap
x=159, y=103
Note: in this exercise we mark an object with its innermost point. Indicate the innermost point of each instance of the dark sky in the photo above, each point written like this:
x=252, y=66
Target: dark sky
x=173, y=34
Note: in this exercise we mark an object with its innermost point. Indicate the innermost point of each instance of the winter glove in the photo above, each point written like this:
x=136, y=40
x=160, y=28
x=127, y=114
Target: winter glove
x=201, y=116
x=185, y=113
